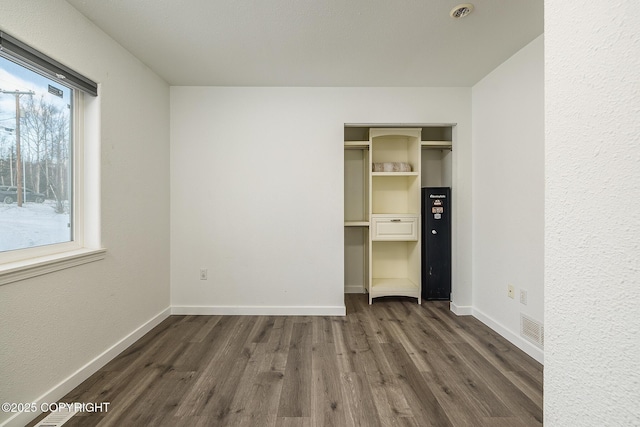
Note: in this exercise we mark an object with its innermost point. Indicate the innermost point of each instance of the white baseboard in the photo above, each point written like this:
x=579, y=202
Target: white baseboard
x=246, y=310
x=353, y=289
x=511, y=336
x=75, y=379
x=461, y=310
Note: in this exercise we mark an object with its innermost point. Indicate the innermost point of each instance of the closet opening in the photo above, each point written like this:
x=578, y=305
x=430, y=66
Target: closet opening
x=389, y=248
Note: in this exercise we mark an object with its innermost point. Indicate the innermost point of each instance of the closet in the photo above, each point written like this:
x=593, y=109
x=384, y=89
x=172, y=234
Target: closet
x=384, y=170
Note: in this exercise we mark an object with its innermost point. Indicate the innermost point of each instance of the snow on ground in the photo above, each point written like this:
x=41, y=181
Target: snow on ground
x=34, y=224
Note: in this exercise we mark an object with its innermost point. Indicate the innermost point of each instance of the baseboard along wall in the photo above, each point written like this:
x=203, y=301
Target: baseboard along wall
x=75, y=379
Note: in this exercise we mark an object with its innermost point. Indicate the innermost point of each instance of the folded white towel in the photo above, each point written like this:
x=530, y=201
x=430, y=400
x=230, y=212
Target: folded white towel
x=392, y=167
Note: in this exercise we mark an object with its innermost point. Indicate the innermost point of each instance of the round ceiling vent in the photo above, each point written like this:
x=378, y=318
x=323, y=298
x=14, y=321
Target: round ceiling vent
x=461, y=10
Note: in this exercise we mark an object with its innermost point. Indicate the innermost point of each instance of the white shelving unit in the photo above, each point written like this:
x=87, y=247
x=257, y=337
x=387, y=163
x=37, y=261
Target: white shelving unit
x=394, y=248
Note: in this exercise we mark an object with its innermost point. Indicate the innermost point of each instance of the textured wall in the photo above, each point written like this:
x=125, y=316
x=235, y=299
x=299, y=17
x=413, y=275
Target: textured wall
x=52, y=325
x=508, y=193
x=592, y=213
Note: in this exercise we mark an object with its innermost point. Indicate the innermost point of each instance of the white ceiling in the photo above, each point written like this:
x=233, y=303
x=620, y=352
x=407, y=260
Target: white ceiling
x=317, y=42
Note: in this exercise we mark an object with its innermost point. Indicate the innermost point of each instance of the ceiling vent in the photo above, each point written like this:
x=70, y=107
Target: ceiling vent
x=461, y=10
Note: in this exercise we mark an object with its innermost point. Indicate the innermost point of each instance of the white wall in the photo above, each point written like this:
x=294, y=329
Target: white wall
x=53, y=325
x=257, y=191
x=508, y=193
x=592, y=274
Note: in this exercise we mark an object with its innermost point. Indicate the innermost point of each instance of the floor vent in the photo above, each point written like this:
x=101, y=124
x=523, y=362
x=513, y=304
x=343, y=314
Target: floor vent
x=56, y=419
x=532, y=330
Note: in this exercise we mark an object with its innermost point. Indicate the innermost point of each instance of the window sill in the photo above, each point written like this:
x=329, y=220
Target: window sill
x=26, y=269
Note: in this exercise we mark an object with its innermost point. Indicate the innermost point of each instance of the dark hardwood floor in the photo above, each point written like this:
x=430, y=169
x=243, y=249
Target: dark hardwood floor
x=394, y=363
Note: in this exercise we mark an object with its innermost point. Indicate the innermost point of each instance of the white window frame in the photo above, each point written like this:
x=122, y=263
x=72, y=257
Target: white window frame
x=85, y=247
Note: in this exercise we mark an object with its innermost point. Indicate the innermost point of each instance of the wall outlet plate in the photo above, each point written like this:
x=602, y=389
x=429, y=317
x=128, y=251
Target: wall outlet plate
x=523, y=297
x=511, y=292
x=204, y=274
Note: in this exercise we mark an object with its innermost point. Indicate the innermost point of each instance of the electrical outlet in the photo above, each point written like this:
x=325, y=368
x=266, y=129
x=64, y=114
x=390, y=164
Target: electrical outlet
x=523, y=297
x=511, y=292
x=204, y=274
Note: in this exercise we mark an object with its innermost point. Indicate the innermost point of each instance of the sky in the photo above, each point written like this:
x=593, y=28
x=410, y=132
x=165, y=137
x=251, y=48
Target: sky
x=15, y=77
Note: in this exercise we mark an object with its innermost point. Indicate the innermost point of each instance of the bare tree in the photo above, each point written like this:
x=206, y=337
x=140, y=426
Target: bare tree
x=35, y=114
x=46, y=136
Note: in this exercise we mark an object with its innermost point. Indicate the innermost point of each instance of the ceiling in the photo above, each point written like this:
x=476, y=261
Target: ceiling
x=317, y=42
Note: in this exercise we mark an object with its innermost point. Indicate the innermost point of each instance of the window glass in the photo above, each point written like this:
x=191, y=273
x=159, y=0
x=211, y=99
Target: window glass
x=35, y=159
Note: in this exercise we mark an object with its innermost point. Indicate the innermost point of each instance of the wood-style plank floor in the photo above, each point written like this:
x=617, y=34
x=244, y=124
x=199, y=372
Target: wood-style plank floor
x=394, y=363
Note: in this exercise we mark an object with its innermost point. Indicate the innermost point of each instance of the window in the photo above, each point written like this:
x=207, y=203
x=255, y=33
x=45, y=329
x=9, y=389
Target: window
x=41, y=155
x=36, y=159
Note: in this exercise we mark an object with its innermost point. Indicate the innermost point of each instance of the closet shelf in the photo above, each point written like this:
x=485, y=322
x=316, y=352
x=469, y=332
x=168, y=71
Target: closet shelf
x=356, y=223
x=436, y=144
x=395, y=173
x=362, y=145
x=394, y=286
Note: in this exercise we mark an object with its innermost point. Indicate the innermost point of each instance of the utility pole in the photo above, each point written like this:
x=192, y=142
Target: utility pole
x=19, y=182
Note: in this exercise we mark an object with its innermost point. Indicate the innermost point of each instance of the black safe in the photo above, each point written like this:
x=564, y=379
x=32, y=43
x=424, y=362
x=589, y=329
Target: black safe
x=436, y=243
